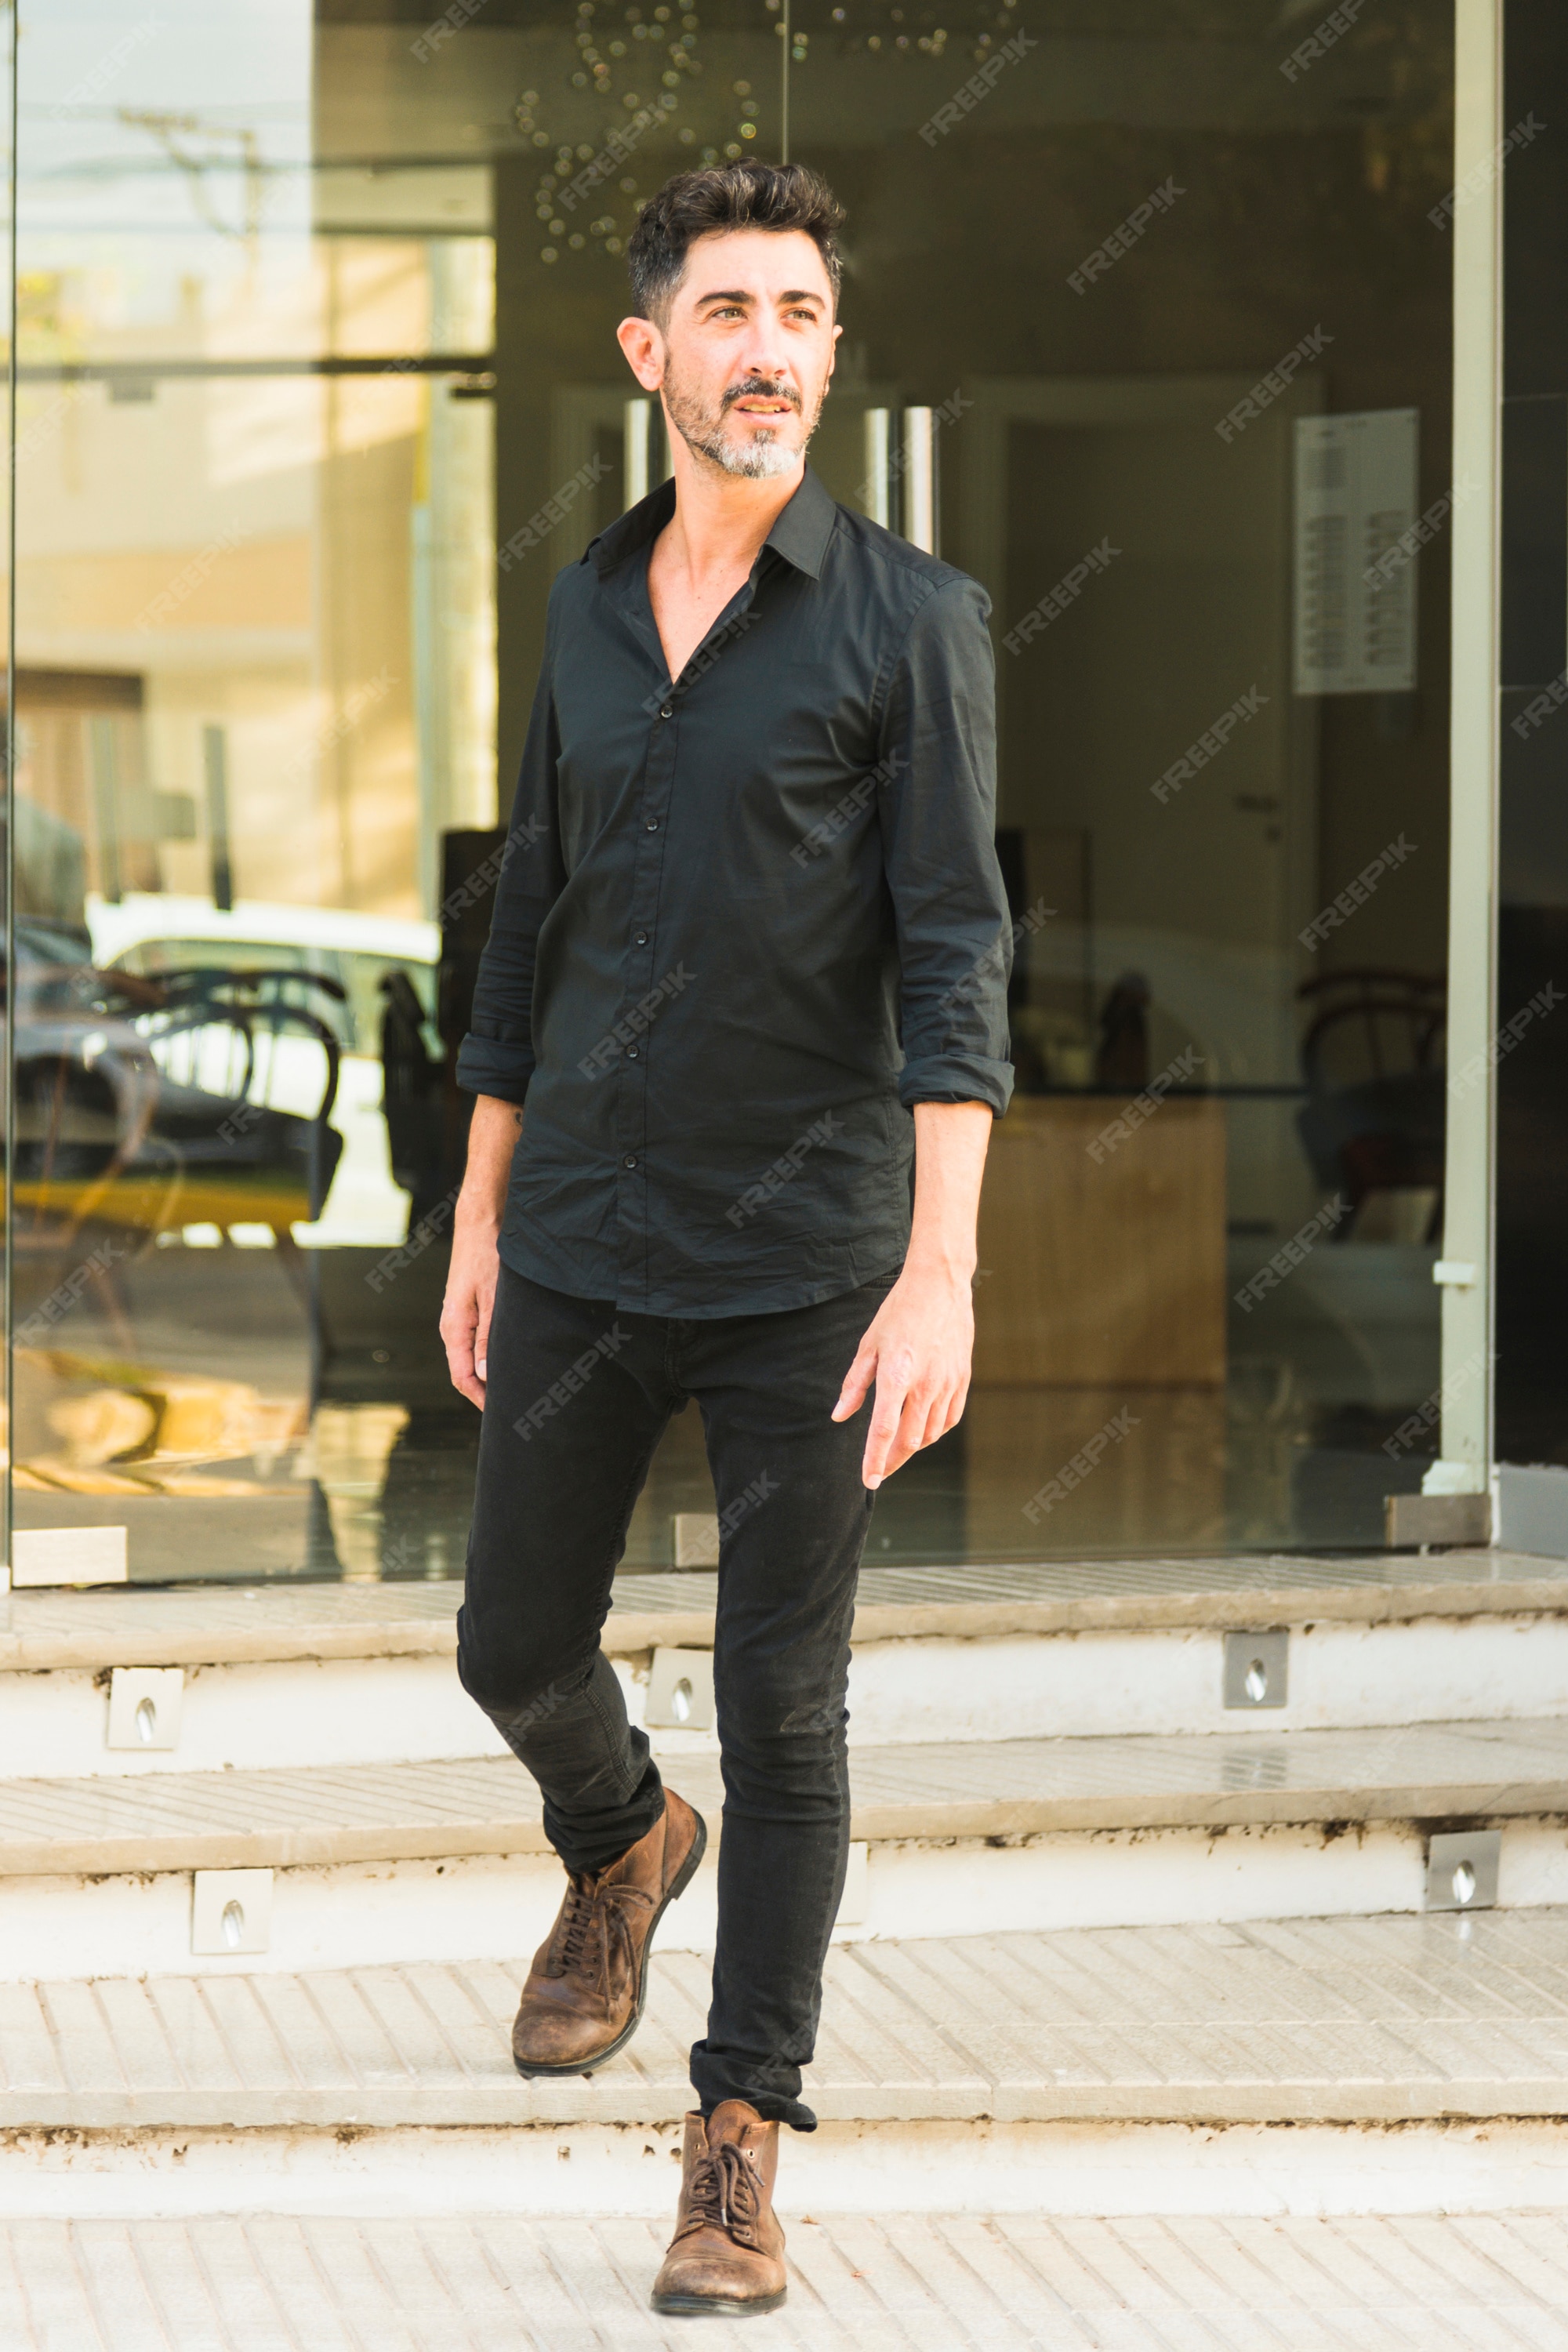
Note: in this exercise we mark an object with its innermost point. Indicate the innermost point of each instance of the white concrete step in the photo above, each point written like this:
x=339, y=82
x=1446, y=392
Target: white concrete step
x=1178, y=2138
x=993, y=1788
x=895, y=2282
x=350, y=1675
x=1335, y=2022
x=441, y=1861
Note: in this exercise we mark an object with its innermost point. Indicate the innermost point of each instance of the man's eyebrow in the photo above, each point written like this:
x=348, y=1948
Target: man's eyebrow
x=740, y=294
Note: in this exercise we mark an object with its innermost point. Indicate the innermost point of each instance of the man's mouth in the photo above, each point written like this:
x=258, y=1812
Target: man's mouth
x=755, y=404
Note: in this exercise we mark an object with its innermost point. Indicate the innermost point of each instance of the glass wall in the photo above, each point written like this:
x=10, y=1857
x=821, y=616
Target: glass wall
x=1146, y=325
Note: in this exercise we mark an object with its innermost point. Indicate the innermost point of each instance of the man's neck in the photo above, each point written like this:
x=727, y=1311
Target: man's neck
x=720, y=519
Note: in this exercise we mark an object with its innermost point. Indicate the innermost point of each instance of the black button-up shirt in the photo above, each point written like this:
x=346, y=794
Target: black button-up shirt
x=726, y=898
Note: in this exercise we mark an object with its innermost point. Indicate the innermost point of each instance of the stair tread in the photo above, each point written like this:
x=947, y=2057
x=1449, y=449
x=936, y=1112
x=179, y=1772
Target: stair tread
x=216, y=1625
x=390, y=1812
x=969, y=2283
x=1370, y=2020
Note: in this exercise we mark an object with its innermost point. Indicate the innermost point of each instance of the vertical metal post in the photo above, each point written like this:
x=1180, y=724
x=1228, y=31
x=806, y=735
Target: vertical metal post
x=1469, y=1182
x=636, y=426
x=919, y=478
x=214, y=753
x=784, y=86
x=877, y=502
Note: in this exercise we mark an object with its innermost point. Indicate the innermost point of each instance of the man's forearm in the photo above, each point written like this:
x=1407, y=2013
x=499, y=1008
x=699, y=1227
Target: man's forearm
x=951, y=1143
x=492, y=1139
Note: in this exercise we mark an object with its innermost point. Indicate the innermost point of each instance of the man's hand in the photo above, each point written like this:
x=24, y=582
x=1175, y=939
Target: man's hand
x=917, y=1350
x=920, y=1343
x=471, y=1277
x=468, y=1307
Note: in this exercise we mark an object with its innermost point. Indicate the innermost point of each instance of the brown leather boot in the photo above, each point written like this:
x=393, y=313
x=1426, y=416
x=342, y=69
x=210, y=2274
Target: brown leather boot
x=584, y=1995
x=727, y=2254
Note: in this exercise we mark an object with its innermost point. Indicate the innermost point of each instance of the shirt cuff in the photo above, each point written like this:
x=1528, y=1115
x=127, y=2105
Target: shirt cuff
x=956, y=1077
x=487, y=1067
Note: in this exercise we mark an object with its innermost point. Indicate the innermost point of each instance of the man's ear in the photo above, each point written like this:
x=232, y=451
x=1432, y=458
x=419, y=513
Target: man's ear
x=643, y=347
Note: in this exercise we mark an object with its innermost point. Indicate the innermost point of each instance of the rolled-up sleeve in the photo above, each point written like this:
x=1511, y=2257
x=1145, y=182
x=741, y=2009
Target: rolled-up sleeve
x=939, y=820
x=497, y=1056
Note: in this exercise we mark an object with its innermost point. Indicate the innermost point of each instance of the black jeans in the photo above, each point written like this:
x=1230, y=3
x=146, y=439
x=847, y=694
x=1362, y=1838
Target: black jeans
x=577, y=1395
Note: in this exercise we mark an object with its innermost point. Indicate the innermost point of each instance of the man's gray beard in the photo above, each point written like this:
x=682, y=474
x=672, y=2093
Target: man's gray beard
x=757, y=459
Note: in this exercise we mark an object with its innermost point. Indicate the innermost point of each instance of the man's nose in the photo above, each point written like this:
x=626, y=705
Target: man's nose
x=765, y=356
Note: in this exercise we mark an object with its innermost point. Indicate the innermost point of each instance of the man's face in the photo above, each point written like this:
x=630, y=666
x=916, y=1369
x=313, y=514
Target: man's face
x=747, y=349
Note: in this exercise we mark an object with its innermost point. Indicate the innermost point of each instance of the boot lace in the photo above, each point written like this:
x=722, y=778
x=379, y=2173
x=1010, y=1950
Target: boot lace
x=724, y=2193
x=593, y=1930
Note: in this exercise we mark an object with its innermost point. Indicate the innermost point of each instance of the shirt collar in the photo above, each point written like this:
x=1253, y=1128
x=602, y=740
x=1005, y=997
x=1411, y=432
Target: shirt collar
x=800, y=533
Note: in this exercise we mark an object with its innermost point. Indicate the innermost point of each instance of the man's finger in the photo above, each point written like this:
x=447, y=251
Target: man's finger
x=856, y=1381
x=884, y=1430
x=942, y=1416
x=466, y=1379
x=914, y=1431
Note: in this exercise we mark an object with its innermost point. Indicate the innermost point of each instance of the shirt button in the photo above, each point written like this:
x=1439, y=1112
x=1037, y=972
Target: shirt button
x=665, y=710
x=642, y=938
x=631, y=1053
x=653, y=824
x=630, y=1160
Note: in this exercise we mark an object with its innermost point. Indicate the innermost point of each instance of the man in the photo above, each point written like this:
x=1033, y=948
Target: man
x=752, y=847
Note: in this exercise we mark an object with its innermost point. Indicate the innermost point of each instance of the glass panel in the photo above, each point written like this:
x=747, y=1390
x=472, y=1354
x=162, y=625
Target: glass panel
x=255, y=690
x=1533, y=914
x=1158, y=286
x=1145, y=326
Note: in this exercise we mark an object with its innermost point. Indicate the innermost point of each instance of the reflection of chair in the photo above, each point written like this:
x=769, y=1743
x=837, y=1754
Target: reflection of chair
x=237, y=1056
x=142, y=1102
x=86, y=1087
x=1373, y=1060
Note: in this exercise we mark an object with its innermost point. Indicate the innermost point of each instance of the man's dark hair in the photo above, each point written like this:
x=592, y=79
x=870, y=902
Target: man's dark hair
x=726, y=197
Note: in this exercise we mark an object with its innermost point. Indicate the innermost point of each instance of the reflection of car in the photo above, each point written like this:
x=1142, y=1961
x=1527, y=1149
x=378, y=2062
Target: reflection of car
x=147, y=934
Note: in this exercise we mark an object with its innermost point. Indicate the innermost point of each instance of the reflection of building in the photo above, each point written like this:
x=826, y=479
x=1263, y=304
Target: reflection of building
x=316, y=577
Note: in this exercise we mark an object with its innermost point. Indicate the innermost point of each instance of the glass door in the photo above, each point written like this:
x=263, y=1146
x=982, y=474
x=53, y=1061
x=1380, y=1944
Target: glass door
x=1160, y=287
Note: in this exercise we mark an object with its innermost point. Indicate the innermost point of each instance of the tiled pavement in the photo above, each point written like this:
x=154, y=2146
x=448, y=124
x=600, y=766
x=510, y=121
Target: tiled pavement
x=1474, y=2284
x=1353, y=2021
x=379, y=1812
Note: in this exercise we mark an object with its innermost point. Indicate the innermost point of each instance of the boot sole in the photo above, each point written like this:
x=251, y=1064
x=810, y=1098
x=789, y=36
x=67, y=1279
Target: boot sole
x=703, y=2306
x=678, y=1886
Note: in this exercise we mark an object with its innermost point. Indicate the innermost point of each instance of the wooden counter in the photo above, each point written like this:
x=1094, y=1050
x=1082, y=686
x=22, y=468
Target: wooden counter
x=1107, y=1272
